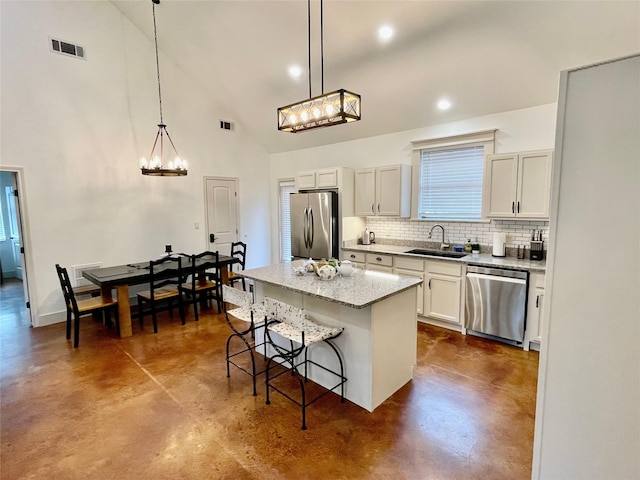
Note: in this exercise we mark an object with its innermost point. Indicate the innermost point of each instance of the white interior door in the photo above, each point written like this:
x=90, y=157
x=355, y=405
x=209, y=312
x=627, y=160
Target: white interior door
x=221, y=197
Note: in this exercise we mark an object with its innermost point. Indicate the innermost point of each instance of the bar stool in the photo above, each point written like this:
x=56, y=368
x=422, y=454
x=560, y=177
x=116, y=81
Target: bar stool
x=292, y=324
x=246, y=311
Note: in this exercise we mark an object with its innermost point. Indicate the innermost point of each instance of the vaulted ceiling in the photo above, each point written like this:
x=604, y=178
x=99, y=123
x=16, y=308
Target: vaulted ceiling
x=484, y=56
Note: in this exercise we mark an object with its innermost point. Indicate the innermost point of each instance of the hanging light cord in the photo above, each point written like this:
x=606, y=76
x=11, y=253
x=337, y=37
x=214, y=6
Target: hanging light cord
x=309, y=39
x=155, y=37
x=321, y=48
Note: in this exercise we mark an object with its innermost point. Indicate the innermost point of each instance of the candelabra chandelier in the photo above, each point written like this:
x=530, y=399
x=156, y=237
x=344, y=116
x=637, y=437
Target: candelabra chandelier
x=154, y=165
x=334, y=108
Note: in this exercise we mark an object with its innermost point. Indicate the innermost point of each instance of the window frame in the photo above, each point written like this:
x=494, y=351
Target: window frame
x=283, y=183
x=485, y=138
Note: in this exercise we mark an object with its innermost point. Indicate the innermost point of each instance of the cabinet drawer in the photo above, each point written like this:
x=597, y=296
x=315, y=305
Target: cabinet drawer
x=354, y=256
x=375, y=259
x=410, y=263
x=445, y=268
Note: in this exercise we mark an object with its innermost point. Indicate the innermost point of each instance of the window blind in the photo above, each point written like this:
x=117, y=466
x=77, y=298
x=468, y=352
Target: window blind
x=451, y=184
x=3, y=235
x=286, y=189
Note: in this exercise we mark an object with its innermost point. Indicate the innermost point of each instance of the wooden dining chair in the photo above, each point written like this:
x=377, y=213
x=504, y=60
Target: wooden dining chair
x=238, y=251
x=205, y=282
x=166, y=276
x=78, y=308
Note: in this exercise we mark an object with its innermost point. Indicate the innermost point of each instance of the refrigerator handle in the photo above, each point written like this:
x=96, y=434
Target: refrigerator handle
x=311, y=229
x=306, y=227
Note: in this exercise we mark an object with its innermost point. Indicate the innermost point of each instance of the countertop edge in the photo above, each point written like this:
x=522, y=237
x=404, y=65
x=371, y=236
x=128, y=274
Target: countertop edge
x=357, y=306
x=482, y=259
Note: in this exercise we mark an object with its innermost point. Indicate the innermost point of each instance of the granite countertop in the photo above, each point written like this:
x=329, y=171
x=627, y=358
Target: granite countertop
x=359, y=290
x=483, y=259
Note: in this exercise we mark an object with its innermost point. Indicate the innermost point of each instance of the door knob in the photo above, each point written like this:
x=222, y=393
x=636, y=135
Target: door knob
x=212, y=237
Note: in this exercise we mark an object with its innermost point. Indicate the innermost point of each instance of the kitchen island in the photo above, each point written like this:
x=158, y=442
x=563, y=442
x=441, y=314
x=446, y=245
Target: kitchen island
x=377, y=312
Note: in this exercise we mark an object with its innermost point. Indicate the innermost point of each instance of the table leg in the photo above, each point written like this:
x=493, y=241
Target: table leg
x=124, y=310
x=224, y=274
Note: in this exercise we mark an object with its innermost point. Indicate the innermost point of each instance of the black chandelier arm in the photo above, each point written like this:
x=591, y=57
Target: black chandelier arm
x=153, y=149
x=171, y=141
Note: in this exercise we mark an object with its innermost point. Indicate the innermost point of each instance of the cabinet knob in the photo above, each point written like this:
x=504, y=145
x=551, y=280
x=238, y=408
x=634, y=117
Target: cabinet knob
x=352, y=256
x=378, y=259
x=537, y=301
x=513, y=207
x=373, y=208
x=518, y=206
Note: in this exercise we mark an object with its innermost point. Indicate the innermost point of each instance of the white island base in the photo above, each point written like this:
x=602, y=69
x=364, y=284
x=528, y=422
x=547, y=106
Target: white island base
x=378, y=345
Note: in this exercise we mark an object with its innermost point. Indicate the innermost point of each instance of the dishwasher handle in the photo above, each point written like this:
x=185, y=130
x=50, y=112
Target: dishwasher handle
x=495, y=278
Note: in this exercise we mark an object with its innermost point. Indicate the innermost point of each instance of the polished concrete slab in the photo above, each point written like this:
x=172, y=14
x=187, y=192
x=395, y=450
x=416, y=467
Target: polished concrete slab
x=159, y=406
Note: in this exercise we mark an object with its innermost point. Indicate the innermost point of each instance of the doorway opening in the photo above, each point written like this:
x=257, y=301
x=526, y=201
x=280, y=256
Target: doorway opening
x=14, y=288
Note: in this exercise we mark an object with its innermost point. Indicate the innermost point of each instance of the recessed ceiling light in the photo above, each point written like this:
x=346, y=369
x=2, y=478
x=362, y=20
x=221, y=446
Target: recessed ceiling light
x=444, y=104
x=385, y=33
x=295, y=71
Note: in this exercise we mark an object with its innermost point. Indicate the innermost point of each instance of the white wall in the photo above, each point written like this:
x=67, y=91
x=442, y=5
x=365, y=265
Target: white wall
x=518, y=130
x=588, y=410
x=78, y=128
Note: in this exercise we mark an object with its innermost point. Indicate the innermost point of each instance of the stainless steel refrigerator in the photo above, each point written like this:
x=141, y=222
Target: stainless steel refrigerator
x=314, y=225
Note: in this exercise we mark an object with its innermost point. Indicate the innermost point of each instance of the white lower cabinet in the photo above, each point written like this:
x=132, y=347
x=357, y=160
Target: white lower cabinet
x=535, y=318
x=443, y=291
x=379, y=263
x=412, y=267
x=440, y=296
x=357, y=258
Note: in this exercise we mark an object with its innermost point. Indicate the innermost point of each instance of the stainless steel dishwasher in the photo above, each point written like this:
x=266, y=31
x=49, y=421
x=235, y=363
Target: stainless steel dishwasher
x=496, y=302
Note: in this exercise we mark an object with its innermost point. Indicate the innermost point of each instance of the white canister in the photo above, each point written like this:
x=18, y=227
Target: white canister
x=499, y=244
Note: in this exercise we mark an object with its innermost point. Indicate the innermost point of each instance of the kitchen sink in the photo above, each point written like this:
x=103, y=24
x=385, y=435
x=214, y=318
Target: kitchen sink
x=437, y=253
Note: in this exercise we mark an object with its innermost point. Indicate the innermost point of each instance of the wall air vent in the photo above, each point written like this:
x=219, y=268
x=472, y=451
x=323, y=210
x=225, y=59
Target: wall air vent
x=66, y=48
x=224, y=125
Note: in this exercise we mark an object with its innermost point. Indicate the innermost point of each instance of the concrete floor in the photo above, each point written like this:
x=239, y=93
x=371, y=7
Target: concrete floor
x=159, y=406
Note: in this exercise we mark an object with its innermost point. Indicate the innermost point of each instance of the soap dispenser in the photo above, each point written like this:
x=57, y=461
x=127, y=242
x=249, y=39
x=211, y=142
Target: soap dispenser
x=467, y=246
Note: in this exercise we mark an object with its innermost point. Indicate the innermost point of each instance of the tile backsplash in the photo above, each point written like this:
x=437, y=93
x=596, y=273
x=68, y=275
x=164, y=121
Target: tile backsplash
x=415, y=232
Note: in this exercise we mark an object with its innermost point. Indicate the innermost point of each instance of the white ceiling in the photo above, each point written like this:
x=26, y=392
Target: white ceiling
x=485, y=56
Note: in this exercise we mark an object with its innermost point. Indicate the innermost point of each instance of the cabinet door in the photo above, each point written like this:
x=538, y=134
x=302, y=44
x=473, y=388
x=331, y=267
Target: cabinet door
x=327, y=178
x=414, y=274
x=442, y=297
x=305, y=180
x=501, y=173
x=388, y=191
x=535, y=323
x=534, y=184
x=365, y=192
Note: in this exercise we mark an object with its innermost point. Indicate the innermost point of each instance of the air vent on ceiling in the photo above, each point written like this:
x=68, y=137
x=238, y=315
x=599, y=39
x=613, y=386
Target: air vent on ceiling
x=66, y=48
x=224, y=125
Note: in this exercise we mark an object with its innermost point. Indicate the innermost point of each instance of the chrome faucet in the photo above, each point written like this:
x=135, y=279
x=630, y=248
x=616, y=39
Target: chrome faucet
x=443, y=245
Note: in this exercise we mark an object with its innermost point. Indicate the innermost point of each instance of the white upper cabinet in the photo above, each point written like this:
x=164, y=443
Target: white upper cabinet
x=326, y=178
x=383, y=191
x=518, y=185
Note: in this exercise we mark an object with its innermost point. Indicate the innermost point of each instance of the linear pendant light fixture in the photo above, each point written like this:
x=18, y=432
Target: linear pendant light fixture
x=154, y=166
x=334, y=108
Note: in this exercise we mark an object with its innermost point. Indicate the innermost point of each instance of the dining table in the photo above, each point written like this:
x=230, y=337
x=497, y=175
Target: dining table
x=120, y=277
